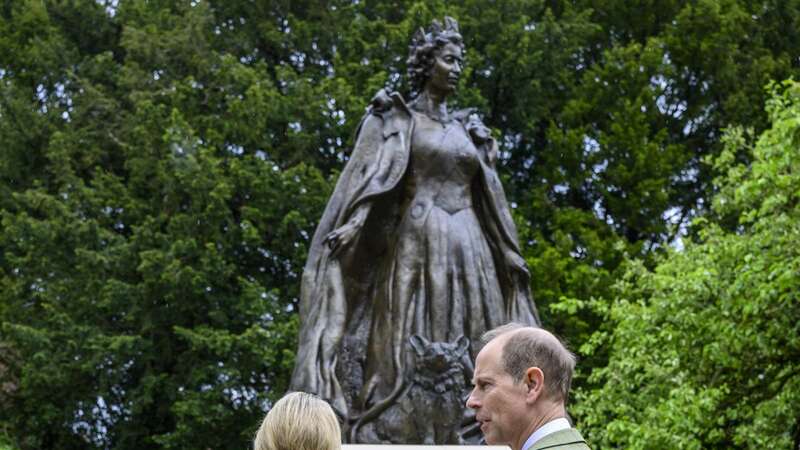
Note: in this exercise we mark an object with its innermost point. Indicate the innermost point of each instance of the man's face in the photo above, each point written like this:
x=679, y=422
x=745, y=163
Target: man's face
x=499, y=401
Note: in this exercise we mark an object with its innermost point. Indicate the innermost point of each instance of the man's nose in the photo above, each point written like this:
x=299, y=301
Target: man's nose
x=472, y=401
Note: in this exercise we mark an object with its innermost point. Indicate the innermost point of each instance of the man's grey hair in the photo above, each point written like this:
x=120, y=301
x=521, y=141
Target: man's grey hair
x=527, y=347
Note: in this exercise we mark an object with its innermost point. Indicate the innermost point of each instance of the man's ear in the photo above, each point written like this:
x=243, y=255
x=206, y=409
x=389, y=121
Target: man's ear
x=534, y=382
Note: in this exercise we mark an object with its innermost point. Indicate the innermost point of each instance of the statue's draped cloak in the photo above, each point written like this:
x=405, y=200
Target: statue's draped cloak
x=336, y=291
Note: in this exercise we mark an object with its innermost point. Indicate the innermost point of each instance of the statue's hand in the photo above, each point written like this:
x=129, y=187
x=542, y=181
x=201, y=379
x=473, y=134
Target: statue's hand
x=341, y=237
x=516, y=263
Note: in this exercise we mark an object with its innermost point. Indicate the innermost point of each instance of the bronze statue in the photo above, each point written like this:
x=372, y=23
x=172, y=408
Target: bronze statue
x=416, y=240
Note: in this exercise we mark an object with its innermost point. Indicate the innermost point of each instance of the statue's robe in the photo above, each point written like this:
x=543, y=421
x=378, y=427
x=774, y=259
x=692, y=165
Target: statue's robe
x=335, y=294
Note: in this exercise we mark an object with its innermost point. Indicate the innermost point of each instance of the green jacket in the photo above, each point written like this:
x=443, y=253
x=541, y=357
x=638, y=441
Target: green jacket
x=569, y=439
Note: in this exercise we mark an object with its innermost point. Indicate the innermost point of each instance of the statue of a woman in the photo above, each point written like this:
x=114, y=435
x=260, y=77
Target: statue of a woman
x=417, y=239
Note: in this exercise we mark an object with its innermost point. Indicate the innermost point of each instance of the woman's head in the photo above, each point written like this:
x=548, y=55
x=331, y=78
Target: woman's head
x=440, y=45
x=299, y=421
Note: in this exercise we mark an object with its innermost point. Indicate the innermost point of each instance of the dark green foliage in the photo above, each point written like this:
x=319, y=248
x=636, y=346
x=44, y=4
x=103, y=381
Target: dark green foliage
x=163, y=165
x=150, y=245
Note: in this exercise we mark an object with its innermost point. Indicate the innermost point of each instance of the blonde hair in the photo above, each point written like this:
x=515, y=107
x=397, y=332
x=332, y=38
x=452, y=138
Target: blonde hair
x=299, y=421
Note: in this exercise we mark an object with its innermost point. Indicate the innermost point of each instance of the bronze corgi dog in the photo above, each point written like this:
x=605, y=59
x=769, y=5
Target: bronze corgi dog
x=429, y=408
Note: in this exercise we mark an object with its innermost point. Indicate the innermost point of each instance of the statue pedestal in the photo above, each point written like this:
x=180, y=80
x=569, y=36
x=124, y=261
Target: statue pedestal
x=423, y=447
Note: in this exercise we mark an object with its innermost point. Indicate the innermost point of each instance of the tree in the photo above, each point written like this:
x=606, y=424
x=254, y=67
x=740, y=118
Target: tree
x=146, y=296
x=164, y=164
x=705, y=348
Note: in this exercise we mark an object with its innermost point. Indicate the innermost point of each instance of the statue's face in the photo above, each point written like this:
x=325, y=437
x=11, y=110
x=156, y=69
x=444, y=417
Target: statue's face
x=446, y=70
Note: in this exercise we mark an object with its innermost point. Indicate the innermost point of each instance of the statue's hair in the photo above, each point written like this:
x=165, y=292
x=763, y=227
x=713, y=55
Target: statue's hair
x=423, y=48
x=535, y=347
x=299, y=421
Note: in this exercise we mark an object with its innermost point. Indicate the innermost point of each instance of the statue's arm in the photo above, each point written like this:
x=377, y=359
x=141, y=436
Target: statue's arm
x=368, y=159
x=341, y=237
x=483, y=140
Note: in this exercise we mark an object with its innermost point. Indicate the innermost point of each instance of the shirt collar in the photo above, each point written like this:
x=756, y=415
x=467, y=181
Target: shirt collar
x=549, y=428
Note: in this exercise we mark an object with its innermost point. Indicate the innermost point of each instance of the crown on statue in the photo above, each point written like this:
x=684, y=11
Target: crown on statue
x=436, y=31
